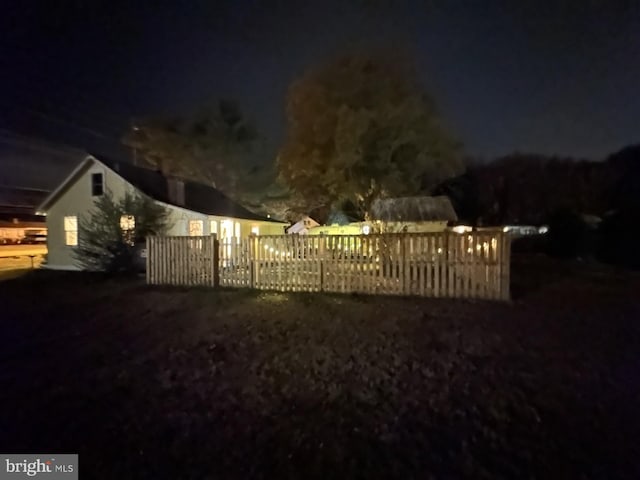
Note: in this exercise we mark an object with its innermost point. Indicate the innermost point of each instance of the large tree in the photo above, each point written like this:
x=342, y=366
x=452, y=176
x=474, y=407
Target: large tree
x=218, y=146
x=362, y=127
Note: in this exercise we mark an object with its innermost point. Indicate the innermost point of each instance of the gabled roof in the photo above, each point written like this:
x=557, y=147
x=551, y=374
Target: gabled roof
x=197, y=197
x=413, y=209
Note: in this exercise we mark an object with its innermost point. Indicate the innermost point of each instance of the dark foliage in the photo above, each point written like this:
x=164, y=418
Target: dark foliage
x=529, y=244
x=619, y=234
x=527, y=189
x=105, y=244
x=568, y=235
x=624, y=191
x=464, y=193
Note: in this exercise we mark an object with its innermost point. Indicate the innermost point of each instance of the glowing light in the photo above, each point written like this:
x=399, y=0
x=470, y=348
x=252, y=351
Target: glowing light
x=366, y=229
x=462, y=228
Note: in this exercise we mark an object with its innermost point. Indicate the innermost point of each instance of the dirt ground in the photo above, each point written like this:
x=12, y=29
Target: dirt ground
x=148, y=382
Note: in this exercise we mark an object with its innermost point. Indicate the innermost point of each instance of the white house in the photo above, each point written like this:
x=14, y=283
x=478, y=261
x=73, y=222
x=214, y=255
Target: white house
x=302, y=227
x=195, y=209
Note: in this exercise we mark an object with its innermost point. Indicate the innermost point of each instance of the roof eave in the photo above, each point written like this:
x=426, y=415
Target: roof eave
x=53, y=196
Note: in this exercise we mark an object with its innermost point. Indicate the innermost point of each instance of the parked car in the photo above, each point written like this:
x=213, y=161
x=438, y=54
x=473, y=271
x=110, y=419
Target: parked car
x=33, y=239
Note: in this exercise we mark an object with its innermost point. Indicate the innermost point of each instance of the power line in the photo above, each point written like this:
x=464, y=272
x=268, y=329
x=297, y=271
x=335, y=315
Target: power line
x=41, y=145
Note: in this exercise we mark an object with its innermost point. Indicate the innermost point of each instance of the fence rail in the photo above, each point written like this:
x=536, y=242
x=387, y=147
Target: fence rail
x=470, y=265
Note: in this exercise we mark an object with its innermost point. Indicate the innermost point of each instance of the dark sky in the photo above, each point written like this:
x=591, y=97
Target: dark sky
x=549, y=77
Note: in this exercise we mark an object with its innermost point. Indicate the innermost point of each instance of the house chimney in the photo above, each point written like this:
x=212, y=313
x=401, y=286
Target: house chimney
x=176, y=190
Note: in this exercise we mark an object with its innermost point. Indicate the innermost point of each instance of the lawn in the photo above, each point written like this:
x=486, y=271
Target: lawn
x=148, y=382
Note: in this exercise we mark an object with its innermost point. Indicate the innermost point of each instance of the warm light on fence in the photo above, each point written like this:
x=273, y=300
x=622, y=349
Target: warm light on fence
x=439, y=265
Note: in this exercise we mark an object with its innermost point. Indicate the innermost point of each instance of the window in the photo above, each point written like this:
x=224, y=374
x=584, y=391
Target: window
x=71, y=230
x=128, y=225
x=97, y=184
x=127, y=222
x=214, y=227
x=196, y=228
x=237, y=231
x=226, y=229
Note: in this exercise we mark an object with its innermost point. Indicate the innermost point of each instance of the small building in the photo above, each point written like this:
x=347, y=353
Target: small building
x=355, y=228
x=195, y=209
x=302, y=226
x=412, y=214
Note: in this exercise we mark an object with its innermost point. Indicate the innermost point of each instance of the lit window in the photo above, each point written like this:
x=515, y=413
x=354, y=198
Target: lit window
x=255, y=230
x=237, y=230
x=196, y=228
x=97, y=184
x=226, y=229
x=71, y=230
x=214, y=226
x=127, y=222
x=128, y=225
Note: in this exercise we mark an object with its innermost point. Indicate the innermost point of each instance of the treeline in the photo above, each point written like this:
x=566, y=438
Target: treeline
x=529, y=189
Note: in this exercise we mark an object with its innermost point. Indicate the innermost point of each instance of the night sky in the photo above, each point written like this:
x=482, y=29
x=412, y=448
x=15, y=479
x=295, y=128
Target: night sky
x=559, y=77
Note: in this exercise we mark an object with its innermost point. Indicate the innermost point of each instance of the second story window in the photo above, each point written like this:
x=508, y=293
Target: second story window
x=97, y=184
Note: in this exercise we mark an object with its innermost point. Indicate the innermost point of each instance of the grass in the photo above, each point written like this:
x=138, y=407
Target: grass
x=191, y=383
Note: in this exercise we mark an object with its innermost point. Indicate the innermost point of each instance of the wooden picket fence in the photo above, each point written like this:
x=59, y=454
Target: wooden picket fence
x=469, y=265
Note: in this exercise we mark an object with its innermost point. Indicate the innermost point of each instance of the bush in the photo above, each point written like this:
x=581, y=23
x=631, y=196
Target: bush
x=105, y=245
x=569, y=235
x=619, y=235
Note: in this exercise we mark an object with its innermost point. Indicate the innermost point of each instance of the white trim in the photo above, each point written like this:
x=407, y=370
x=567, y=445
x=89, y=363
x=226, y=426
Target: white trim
x=67, y=268
x=66, y=181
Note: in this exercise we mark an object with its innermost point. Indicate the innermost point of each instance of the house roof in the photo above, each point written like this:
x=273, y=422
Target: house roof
x=413, y=209
x=197, y=197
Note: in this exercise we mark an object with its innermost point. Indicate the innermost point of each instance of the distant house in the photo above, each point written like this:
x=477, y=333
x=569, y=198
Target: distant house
x=195, y=209
x=302, y=227
x=413, y=214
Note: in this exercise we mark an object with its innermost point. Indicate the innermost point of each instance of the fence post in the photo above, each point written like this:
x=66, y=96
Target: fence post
x=402, y=266
x=215, y=261
x=251, y=260
x=505, y=264
x=321, y=258
x=147, y=262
